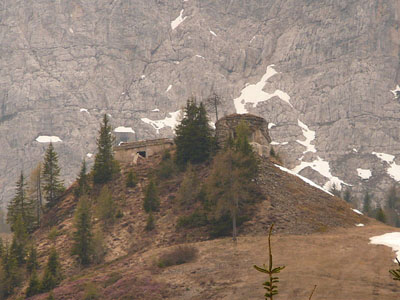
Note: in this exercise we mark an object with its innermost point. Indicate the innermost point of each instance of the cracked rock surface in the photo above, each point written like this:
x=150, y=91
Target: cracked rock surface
x=65, y=63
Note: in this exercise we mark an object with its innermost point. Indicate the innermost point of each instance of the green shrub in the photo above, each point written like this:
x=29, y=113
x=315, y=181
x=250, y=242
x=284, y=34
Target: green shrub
x=119, y=214
x=151, y=201
x=106, y=206
x=166, y=169
x=112, y=278
x=177, y=256
x=196, y=219
x=131, y=179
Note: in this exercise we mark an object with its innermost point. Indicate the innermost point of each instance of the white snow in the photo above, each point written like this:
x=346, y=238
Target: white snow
x=156, y=109
x=309, y=135
x=124, y=129
x=176, y=62
x=394, y=169
x=252, y=39
x=270, y=125
x=357, y=211
x=48, y=139
x=199, y=56
x=213, y=33
x=355, y=150
x=171, y=121
x=312, y=183
x=84, y=110
x=364, y=173
x=278, y=143
x=175, y=23
x=71, y=30
x=360, y=225
x=391, y=240
x=322, y=167
x=253, y=93
x=143, y=76
x=168, y=88
x=397, y=89
x=89, y=155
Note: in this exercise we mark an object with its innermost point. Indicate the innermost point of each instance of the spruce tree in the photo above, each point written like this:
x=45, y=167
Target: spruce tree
x=83, y=237
x=106, y=208
x=131, y=179
x=35, y=192
x=53, y=185
x=34, y=285
x=83, y=181
x=194, y=141
x=151, y=200
x=20, y=206
x=31, y=262
x=105, y=165
x=367, y=203
x=19, y=241
x=52, y=273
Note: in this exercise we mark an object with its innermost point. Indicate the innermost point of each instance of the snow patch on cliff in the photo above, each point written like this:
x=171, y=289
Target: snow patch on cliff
x=309, y=135
x=396, y=91
x=168, y=88
x=84, y=110
x=124, y=129
x=364, y=173
x=310, y=182
x=213, y=33
x=175, y=23
x=48, y=139
x=253, y=93
x=322, y=167
x=394, y=169
x=170, y=121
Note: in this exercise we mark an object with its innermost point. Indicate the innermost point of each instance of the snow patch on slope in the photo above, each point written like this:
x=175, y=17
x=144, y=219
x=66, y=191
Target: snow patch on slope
x=48, y=139
x=253, y=93
x=175, y=23
x=124, y=129
x=309, y=135
x=391, y=240
x=396, y=91
x=213, y=33
x=322, y=167
x=84, y=110
x=364, y=173
x=310, y=182
x=170, y=121
x=357, y=211
x=394, y=169
x=168, y=88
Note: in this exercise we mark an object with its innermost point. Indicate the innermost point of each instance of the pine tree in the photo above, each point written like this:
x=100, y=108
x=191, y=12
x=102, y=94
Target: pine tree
x=105, y=165
x=189, y=188
x=53, y=185
x=83, y=237
x=35, y=192
x=194, y=141
x=34, y=285
x=19, y=241
x=11, y=273
x=31, y=262
x=213, y=102
x=380, y=215
x=52, y=273
x=83, y=181
x=20, y=206
x=150, y=222
x=151, y=200
x=231, y=183
x=131, y=179
x=1, y=248
x=367, y=203
x=392, y=198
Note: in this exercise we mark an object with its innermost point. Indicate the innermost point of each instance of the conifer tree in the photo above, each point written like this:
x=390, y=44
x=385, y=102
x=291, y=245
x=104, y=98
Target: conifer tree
x=53, y=185
x=367, y=203
x=83, y=181
x=19, y=241
x=31, y=262
x=35, y=192
x=104, y=164
x=11, y=274
x=34, y=285
x=83, y=237
x=52, y=273
x=230, y=185
x=131, y=179
x=20, y=206
x=194, y=141
x=151, y=200
x=1, y=248
x=150, y=222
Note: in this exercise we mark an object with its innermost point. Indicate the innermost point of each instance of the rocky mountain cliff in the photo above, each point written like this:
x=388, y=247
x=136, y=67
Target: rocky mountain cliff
x=321, y=72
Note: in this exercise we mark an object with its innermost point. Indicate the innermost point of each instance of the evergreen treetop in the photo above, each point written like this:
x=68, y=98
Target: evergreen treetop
x=151, y=200
x=104, y=165
x=83, y=181
x=53, y=185
x=194, y=140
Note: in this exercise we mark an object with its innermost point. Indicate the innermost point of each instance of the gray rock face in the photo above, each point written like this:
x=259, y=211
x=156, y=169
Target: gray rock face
x=329, y=91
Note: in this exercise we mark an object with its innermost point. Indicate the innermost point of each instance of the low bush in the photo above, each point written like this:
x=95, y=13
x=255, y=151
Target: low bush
x=177, y=256
x=113, y=278
x=196, y=219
